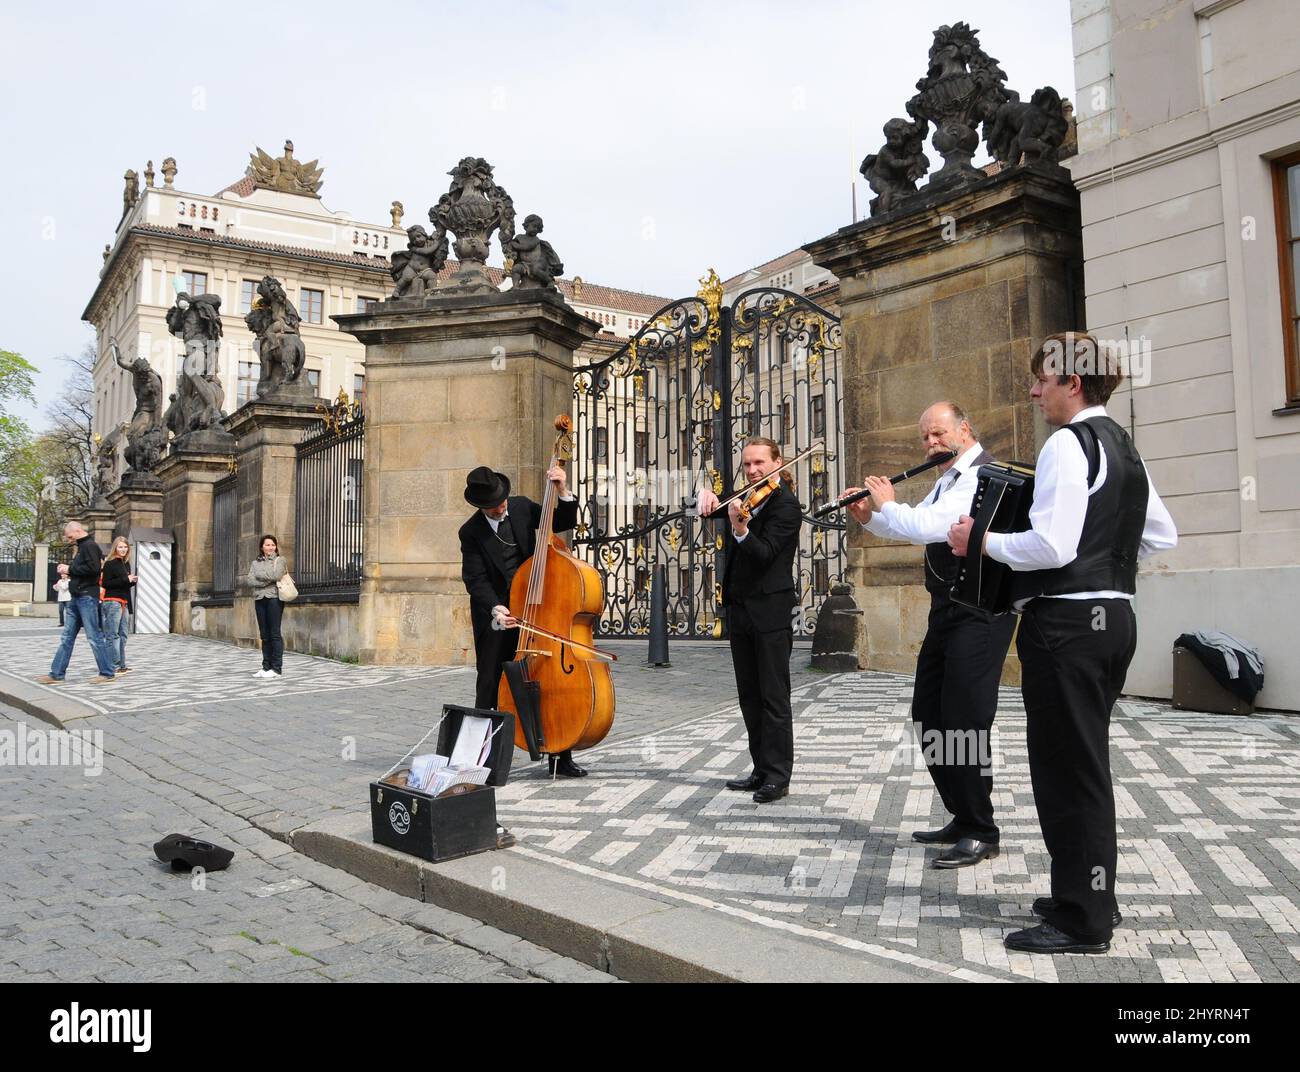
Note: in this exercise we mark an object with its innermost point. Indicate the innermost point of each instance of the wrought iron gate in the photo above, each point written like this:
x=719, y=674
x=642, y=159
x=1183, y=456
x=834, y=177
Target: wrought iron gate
x=675, y=405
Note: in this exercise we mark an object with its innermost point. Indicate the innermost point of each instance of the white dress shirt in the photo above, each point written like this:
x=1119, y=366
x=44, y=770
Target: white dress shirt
x=930, y=521
x=1060, y=503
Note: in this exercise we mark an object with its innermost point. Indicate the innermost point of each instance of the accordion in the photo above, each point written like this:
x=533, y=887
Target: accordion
x=1002, y=500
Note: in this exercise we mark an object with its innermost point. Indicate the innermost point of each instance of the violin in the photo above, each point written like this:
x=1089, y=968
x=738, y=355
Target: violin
x=758, y=496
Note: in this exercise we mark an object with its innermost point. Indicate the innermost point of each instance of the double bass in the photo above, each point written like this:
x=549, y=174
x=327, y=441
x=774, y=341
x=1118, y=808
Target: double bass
x=559, y=685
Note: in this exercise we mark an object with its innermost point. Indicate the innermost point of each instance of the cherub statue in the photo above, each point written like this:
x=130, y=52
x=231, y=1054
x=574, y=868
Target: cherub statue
x=893, y=170
x=415, y=269
x=1034, y=129
x=535, y=262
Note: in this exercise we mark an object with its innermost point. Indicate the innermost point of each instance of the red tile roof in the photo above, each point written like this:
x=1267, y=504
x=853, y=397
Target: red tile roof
x=243, y=187
x=767, y=268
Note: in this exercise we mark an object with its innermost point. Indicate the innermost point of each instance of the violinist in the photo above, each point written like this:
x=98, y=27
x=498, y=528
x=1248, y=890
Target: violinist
x=758, y=592
x=494, y=543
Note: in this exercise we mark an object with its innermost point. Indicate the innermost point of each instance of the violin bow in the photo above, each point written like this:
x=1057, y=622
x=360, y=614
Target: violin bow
x=779, y=469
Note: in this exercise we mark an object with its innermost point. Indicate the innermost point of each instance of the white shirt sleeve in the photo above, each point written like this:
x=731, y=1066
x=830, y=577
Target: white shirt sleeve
x=1060, y=505
x=1056, y=517
x=928, y=523
x=1159, y=533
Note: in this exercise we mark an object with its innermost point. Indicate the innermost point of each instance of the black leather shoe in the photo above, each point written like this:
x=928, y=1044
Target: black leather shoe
x=1043, y=905
x=769, y=792
x=746, y=785
x=185, y=853
x=1047, y=939
x=564, y=767
x=947, y=836
x=966, y=852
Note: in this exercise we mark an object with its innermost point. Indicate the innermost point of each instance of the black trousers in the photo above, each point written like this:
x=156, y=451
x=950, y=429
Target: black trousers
x=269, y=612
x=762, y=665
x=492, y=649
x=1074, y=656
x=954, y=701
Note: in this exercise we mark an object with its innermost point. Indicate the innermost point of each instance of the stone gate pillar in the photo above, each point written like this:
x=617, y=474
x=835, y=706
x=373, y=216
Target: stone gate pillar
x=187, y=477
x=451, y=383
x=268, y=431
x=945, y=297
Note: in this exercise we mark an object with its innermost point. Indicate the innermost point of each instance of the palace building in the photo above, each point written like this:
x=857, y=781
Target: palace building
x=272, y=221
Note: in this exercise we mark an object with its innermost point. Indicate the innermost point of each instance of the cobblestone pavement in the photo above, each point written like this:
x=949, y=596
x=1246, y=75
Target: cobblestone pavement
x=1209, y=806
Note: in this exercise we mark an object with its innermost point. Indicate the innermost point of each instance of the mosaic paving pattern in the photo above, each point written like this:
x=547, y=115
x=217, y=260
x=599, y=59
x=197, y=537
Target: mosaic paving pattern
x=1209, y=836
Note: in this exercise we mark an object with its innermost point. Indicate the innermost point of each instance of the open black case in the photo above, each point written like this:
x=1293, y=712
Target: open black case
x=445, y=827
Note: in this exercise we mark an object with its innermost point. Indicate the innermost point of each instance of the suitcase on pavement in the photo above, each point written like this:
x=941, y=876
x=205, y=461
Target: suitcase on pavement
x=1195, y=688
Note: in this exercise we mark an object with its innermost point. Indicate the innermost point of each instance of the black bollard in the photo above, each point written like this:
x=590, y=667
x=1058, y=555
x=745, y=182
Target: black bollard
x=659, y=618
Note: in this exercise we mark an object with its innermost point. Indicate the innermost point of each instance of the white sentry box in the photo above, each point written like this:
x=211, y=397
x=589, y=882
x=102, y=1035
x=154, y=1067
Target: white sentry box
x=152, y=554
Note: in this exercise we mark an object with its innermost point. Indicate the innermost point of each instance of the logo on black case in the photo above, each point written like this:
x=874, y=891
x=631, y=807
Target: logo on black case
x=399, y=818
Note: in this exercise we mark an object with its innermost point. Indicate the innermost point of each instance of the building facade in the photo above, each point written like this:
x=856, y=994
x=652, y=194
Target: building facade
x=1189, y=177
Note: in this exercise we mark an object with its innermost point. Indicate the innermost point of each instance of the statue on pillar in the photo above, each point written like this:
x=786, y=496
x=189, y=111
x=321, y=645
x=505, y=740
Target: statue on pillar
x=396, y=212
x=892, y=171
x=197, y=321
x=146, y=437
x=1034, y=130
x=472, y=208
x=536, y=265
x=962, y=89
x=131, y=192
x=415, y=269
x=274, y=320
x=105, y=472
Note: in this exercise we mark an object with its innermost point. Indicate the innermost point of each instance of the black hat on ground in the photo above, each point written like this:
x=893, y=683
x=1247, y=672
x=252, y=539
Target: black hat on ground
x=486, y=489
x=185, y=853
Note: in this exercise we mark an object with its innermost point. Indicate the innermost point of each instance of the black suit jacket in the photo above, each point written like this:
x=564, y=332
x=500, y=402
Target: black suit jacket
x=760, y=569
x=483, y=567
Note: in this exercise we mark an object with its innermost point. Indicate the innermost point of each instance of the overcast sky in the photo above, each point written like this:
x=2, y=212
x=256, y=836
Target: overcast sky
x=657, y=139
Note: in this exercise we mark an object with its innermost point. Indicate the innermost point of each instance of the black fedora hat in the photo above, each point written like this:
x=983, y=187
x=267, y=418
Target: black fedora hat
x=486, y=489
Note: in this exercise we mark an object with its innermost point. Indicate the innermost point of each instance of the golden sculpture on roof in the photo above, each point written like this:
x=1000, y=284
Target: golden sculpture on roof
x=284, y=173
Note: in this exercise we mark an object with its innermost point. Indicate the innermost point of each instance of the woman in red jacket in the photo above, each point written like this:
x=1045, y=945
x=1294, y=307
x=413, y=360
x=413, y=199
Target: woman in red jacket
x=116, y=606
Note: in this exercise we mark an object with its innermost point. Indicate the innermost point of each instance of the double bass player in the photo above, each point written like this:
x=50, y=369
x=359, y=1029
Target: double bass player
x=494, y=543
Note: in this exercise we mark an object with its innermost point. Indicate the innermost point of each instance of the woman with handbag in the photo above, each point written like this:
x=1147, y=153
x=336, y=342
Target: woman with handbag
x=116, y=606
x=269, y=578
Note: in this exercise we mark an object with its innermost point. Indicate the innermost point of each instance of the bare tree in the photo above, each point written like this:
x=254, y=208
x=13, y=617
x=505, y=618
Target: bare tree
x=70, y=438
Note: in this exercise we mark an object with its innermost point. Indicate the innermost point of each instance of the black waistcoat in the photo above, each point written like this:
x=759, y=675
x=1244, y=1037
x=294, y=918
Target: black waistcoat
x=1107, y=559
x=511, y=558
x=940, y=563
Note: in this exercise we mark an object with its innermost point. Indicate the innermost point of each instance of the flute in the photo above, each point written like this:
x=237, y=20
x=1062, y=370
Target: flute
x=844, y=500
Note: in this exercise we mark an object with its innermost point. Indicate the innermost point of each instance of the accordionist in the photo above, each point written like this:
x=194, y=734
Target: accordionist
x=1094, y=512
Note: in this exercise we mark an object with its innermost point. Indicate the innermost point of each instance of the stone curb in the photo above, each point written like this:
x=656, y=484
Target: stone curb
x=627, y=934
x=43, y=702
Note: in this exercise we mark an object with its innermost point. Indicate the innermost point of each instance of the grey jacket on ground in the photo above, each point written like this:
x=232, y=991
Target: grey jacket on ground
x=263, y=574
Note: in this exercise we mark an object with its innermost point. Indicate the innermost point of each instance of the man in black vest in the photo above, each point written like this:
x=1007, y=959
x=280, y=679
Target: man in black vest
x=1094, y=513
x=955, y=695
x=759, y=594
x=500, y=536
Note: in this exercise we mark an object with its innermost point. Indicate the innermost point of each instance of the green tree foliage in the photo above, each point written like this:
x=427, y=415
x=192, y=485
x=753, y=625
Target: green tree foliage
x=16, y=385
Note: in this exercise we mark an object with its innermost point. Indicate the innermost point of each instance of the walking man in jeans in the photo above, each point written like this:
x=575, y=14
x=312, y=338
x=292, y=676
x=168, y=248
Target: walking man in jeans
x=83, y=608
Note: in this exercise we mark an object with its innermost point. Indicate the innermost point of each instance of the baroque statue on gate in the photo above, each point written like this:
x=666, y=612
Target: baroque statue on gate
x=892, y=171
x=280, y=350
x=472, y=208
x=415, y=269
x=536, y=265
x=196, y=320
x=146, y=438
x=1034, y=130
x=105, y=471
x=963, y=87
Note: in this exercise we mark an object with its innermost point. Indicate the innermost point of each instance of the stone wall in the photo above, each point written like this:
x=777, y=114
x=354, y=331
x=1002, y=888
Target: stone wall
x=945, y=300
